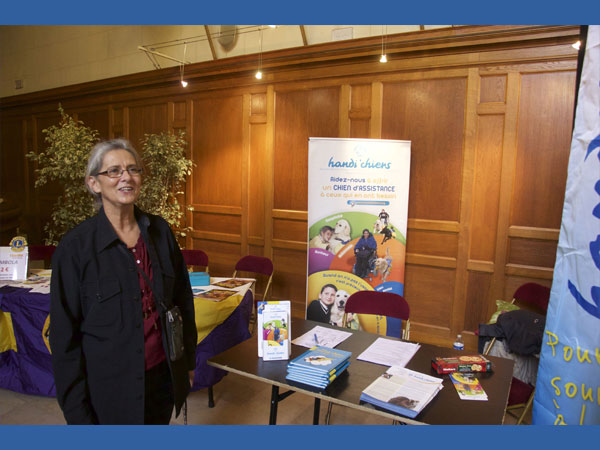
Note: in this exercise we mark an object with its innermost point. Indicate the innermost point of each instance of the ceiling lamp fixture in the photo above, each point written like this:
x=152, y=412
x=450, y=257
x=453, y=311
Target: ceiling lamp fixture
x=383, y=58
x=259, y=71
x=181, y=68
x=576, y=45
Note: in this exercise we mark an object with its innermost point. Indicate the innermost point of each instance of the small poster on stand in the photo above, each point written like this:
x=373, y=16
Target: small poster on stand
x=13, y=260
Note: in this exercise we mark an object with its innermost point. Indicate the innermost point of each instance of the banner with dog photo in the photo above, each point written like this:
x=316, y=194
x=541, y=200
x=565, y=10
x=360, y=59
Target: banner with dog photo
x=357, y=220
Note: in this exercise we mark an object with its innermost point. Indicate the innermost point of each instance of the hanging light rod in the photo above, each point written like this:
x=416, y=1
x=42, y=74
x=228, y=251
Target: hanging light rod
x=162, y=55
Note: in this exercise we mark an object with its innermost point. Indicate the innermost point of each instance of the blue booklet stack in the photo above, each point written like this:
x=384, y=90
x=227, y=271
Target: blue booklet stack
x=319, y=366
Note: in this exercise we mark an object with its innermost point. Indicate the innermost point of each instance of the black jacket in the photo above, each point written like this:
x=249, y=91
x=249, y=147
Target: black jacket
x=96, y=329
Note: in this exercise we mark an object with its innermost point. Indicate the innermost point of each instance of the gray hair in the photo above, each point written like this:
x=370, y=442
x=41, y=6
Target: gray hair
x=97, y=158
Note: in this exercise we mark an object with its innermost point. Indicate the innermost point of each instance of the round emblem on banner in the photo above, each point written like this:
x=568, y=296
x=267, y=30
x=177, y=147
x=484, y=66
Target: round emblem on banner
x=18, y=243
x=46, y=333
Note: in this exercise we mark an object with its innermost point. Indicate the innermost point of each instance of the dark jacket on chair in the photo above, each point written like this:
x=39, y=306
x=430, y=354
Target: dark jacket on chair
x=96, y=329
x=521, y=329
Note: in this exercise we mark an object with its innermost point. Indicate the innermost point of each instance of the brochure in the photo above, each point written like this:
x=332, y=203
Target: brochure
x=468, y=387
x=275, y=331
x=215, y=295
x=402, y=391
x=322, y=361
x=274, y=307
x=232, y=283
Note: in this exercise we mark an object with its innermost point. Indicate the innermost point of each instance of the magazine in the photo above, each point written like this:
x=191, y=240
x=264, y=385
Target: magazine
x=232, y=283
x=215, y=295
x=402, y=391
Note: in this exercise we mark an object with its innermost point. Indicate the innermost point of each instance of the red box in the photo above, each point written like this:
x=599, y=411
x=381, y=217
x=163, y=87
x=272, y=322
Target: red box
x=462, y=363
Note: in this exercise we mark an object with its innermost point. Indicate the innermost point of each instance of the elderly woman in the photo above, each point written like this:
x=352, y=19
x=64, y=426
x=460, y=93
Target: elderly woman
x=113, y=277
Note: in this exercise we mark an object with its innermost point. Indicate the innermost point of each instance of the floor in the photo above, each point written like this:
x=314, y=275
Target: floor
x=238, y=401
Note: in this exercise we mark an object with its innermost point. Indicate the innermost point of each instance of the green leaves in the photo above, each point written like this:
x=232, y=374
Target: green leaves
x=65, y=161
x=167, y=168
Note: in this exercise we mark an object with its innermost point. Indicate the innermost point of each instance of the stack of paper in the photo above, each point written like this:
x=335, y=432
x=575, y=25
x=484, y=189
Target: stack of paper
x=388, y=352
x=319, y=366
x=468, y=387
x=402, y=391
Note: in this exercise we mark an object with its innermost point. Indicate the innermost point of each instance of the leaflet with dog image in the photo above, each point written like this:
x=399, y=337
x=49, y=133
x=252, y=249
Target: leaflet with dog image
x=266, y=330
x=402, y=391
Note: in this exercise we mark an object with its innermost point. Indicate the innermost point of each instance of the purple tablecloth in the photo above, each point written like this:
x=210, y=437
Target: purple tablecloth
x=29, y=368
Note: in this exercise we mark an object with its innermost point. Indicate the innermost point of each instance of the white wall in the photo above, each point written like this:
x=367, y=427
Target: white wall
x=46, y=57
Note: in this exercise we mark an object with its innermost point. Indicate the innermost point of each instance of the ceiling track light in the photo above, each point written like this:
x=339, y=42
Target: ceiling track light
x=182, y=67
x=383, y=58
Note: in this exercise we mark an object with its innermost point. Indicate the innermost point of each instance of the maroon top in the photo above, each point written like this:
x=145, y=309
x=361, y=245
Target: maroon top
x=153, y=349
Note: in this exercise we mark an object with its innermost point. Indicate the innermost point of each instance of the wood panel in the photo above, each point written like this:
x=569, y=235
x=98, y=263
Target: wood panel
x=300, y=115
x=429, y=293
x=543, y=142
x=217, y=151
x=429, y=113
x=146, y=119
x=96, y=120
x=360, y=111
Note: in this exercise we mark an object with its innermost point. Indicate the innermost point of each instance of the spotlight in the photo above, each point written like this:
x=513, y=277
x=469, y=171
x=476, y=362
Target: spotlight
x=258, y=75
x=184, y=83
x=576, y=45
x=383, y=59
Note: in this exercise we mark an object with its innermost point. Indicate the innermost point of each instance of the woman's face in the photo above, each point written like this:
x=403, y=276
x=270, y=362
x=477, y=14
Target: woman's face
x=365, y=234
x=327, y=296
x=117, y=192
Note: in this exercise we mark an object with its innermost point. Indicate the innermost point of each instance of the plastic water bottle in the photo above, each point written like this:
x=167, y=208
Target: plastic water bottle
x=458, y=343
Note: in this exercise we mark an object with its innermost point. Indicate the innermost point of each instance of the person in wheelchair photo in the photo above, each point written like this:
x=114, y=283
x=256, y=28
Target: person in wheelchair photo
x=365, y=252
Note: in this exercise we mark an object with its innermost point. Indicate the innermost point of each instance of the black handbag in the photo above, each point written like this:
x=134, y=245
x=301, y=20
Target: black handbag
x=174, y=323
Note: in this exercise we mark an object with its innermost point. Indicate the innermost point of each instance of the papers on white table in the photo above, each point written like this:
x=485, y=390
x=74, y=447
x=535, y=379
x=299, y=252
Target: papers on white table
x=325, y=337
x=389, y=353
x=38, y=281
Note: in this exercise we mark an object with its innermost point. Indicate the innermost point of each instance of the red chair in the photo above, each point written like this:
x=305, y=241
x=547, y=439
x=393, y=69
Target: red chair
x=195, y=258
x=41, y=253
x=382, y=304
x=257, y=265
x=534, y=297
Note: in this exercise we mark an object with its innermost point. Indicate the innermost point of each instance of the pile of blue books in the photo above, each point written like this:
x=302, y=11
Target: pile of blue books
x=199, y=278
x=319, y=366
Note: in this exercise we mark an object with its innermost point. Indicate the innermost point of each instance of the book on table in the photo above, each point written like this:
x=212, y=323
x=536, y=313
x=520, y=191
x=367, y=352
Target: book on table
x=402, y=391
x=318, y=366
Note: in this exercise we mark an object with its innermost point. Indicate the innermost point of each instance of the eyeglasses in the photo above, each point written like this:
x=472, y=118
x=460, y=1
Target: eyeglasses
x=116, y=172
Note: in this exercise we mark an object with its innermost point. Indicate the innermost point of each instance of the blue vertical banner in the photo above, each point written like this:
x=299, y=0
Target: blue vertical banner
x=568, y=383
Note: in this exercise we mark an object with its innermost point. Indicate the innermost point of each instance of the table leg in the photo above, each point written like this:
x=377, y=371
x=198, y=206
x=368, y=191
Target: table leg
x=317, y=411
x=274, y=401
x=211, y=398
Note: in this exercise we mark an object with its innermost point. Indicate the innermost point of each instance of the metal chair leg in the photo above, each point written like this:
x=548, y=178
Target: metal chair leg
x=328, y=415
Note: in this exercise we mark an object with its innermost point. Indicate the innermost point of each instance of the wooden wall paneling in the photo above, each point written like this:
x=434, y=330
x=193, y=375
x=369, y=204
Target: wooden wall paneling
x=429, y=113
x=290, y=278
x=98, y=119
x=493, y=89
x=466, y=203
x=146, y=119
x=300, y=114
x=543, y=141
x=189, y=151
x=506, y=186
x=360, y=110
x=344, y=114
x=375, y=124
x=257, y=171
x=269, y=192
x=478, y=289
x=245, y=177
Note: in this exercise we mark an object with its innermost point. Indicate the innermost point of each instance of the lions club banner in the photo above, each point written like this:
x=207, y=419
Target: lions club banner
x=568, y=383
x=357, y=219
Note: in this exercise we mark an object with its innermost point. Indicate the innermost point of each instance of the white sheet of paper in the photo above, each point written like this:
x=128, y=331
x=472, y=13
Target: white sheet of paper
x=325, y=337
x=389, y=353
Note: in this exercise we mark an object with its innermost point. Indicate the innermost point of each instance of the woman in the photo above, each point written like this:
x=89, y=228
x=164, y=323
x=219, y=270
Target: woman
x=364, y=251
x=109, y=348
x=320, y=310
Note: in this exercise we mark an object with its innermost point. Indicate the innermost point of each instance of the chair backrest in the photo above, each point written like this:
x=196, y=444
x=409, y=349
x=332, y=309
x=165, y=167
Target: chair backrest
x=534, y=295
x=195, y=258
x=380, y=303
x=256, y=264
x=41, y=253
